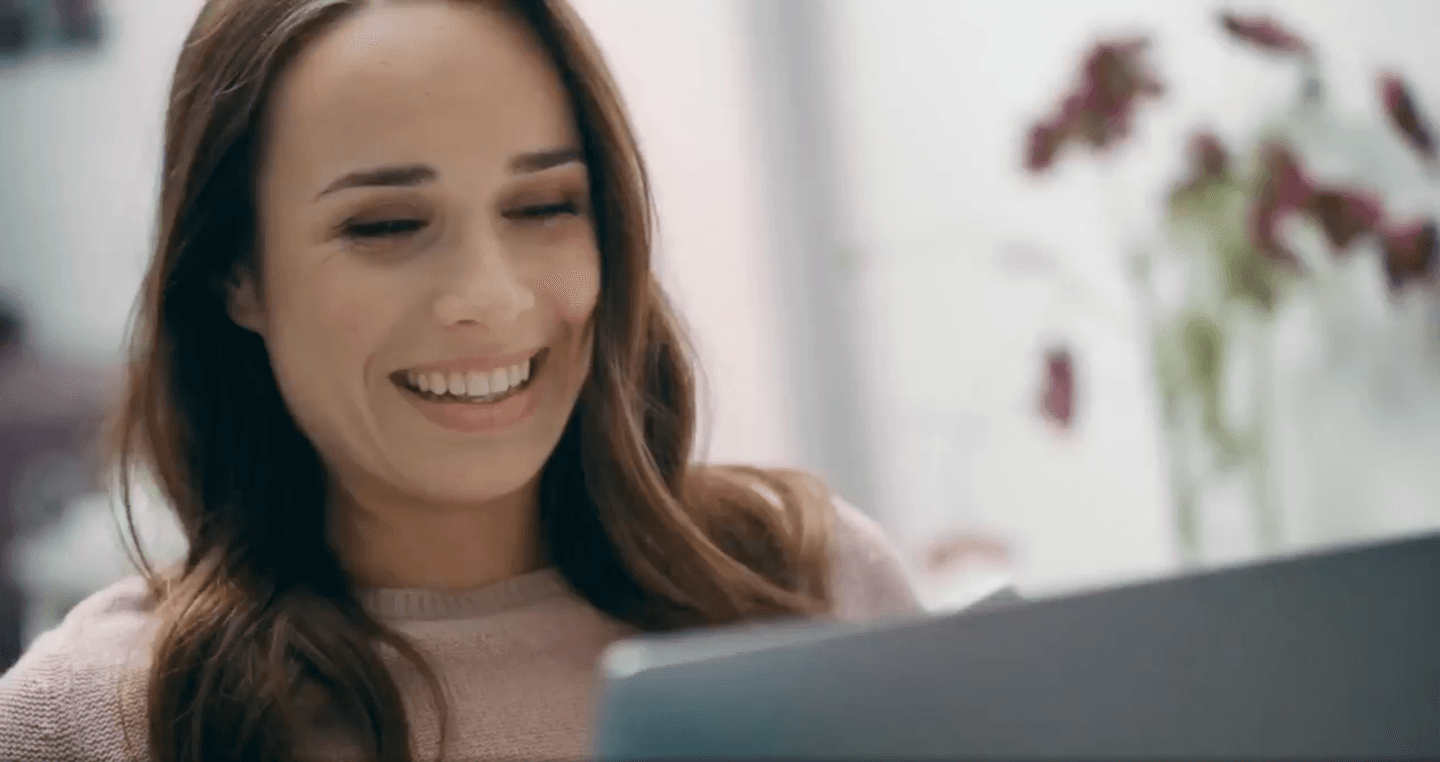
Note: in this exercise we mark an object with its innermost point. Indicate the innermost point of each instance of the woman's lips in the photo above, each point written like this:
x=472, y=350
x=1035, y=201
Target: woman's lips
x=471, y=403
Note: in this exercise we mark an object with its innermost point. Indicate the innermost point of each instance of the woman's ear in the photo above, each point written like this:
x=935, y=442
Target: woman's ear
x=243, y=303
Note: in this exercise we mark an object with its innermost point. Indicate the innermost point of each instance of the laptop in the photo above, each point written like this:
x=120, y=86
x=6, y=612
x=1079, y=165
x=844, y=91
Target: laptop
x=1329, y=655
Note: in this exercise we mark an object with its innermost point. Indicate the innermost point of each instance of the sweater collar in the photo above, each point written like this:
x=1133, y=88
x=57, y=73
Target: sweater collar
x=392, y=604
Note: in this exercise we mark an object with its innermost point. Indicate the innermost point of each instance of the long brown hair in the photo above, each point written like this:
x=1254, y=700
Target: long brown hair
x=260, y=605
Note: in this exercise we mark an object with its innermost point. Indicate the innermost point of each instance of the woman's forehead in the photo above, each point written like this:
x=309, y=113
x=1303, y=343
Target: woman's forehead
x=421, y=81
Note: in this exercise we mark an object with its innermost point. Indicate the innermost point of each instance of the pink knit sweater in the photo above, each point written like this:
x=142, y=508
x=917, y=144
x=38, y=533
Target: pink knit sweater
x=517, y=661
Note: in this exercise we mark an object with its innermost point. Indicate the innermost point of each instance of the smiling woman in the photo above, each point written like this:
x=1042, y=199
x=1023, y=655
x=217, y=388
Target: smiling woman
x=409, y=384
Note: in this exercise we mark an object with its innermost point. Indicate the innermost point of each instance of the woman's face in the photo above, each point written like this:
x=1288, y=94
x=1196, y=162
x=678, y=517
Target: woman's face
x=428, y=263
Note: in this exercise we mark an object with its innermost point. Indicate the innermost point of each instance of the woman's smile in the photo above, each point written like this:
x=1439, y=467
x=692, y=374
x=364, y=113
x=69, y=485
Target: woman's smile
x=474, y=396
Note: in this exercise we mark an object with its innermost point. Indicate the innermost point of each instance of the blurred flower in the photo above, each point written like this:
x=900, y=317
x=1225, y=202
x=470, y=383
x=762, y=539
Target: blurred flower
x=1284, y=189
x=1209, y=163
x=1410, y=253
x=1043, y=146
x=1100, y=110
x=1405, y=115
x=1344, y=215
x=1264, y=33
x=1209, y=158
x=1057, y=398
x=1114, y=78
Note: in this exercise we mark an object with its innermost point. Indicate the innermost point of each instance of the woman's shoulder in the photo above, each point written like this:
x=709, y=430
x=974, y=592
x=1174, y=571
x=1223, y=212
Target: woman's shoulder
x=868, y=579
x=79, y=688
x=109, y=629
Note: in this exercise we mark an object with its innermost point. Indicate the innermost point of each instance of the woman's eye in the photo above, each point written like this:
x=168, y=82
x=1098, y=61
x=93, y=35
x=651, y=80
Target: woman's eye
x=544, y=212
x=382, y=228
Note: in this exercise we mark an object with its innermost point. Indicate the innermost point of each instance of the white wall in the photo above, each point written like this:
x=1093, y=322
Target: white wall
x=936, y=98
x=683, y=68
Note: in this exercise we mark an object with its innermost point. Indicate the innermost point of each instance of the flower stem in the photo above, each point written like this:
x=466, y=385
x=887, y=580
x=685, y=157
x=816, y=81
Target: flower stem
x=1268, y=525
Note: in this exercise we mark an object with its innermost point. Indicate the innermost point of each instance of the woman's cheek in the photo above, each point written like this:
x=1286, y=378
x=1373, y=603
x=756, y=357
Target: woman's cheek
x=573, y=290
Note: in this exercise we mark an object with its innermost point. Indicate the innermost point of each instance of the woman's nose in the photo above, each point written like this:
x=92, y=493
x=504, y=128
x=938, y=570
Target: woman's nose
x=482, y=289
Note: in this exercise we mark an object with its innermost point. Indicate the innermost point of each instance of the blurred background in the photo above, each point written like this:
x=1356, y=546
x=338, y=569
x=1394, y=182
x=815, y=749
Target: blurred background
x=1059, y=307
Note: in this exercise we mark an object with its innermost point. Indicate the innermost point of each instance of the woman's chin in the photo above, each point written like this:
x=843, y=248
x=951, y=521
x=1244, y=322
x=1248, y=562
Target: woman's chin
x=483, y=487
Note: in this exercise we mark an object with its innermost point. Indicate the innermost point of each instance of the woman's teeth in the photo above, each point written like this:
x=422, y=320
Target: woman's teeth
x=480, y=386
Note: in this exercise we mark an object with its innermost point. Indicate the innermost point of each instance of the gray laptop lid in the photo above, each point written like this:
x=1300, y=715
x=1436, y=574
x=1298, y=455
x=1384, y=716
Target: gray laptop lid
x=1327, y=656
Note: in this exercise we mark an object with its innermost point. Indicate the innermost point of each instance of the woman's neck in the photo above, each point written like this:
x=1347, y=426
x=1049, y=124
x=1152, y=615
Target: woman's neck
x=406, y=545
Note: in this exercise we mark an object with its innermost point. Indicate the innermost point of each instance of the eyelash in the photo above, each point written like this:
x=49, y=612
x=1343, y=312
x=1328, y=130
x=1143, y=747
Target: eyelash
x=382, y=228
x=544, y=211
x=396, y=228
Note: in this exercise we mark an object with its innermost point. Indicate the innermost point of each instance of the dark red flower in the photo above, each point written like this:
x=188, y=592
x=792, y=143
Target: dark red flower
x=1209, y=162
x=1114, y=78
x=1208, y=156
x=1405, y=115
x=1284, y=188
x=1099, y=110
x=1345, y=214
x=1264, y=33
x=1043, y=147
x=1410, y=253
x=1057, y=398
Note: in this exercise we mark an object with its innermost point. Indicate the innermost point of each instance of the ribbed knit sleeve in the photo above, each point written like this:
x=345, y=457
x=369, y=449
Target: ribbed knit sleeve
x=867, y=576
x=78, y=693
x=32, y=699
